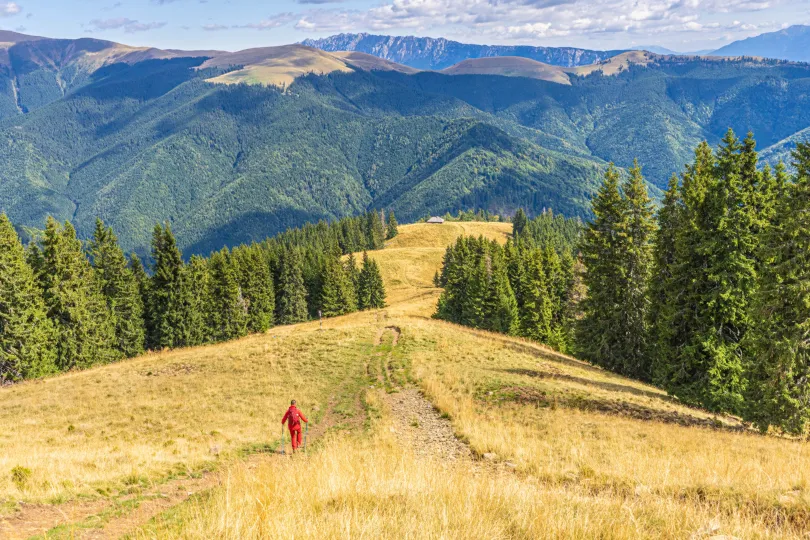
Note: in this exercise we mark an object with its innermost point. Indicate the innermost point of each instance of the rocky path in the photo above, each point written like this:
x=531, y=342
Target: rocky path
x=416, y=422
x=418, y=425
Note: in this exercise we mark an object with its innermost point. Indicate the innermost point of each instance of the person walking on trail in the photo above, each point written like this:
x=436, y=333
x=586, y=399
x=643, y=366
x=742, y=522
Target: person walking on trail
x=294, y=417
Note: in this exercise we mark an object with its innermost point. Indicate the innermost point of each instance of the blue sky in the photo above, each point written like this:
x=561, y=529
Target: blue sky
x=683, y=25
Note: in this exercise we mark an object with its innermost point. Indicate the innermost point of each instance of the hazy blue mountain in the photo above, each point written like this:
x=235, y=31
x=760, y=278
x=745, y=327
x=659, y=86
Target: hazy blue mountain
x=439, y=53
x=654, y=49
x=657, y=49
x=792, y=43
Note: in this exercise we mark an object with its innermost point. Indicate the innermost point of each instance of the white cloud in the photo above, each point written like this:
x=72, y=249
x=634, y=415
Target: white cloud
x=531, y=20
x=9, y=9
x=271, y=22
x=128, y=25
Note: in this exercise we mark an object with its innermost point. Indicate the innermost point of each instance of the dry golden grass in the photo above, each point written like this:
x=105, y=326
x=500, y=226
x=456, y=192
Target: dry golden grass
x=375, y=487
x=616, y=64
x=510, y=66
x=276, y=66
x=410, y=261
x=97, y=431
x=592, y=454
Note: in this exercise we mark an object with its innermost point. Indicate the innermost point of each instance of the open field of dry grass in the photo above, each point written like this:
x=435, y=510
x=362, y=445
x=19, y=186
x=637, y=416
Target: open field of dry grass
x=571, y=450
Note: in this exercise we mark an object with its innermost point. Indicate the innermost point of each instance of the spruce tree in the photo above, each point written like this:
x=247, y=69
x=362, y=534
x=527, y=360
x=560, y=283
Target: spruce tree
x=716, y=267
x=638, y=229
x=600, y=336
x=370, y=287
x=228, y=309
x=338, y=295
x=375, y=231
x=27, y=346
x=536, y=311
x=120, y=289
x=473, y=289
x=168, y=303
x=519, y=222
x=777, y=367
x=196, y=284
x=663, y=275
x=679, y=317
x=85, y=334
x=291, y=294
x=556, y=282
x=353, y=273
x=501, y=313
x=393, y=227
x=256, y=283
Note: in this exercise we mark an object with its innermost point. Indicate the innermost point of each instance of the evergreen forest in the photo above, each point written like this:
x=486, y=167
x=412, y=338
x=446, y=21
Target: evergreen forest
x=705, y=296
x=67, y=304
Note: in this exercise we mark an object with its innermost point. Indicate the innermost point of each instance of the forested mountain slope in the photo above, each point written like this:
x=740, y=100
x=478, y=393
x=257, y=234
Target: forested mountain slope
x=90, y=133
x=226, y=164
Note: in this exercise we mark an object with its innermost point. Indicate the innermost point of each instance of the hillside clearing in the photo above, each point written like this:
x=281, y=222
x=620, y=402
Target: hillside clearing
x=575, y=451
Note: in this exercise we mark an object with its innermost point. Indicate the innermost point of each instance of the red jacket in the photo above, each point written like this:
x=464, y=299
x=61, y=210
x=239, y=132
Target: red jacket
x=288, y=415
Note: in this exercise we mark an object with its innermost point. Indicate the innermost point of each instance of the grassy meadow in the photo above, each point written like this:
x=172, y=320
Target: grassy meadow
x=571, y=451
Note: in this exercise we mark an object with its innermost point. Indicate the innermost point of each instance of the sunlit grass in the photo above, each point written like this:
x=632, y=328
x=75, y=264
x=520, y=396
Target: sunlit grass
x=590, y=454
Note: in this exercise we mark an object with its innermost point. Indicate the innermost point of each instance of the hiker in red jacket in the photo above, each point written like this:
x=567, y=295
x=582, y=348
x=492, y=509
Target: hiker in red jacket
x=293, y=418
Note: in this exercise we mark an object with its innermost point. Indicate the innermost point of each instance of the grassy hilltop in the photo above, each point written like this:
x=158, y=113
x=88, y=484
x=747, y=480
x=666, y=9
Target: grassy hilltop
x=184, y=443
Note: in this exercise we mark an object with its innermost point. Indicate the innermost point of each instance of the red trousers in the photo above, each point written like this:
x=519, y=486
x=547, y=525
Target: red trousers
x=295, y=436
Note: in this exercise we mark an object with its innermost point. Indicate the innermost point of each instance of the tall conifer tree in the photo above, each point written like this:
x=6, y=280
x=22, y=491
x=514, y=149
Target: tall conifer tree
x=338, y=295
x=716, y=278
x=600, y=336
x=636, y=259
x=196, y=281
x=519, y=222
x=228, y=309
x=167, y=303
x=392, y=229
x=291, y=294
x=500, y=306
x=663, y=275
x=256, y=283
x=27, y=346
x=778, y=362
x=121, y=290
x=73, y=297
x=375, y=231
x=536, y=311
x=370, y=287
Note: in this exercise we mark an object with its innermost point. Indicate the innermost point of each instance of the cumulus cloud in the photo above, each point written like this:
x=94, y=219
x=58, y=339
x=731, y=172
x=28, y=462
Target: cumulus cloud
x=128, y=25
x=270, y=23
x=530, y=20
x=9, y=9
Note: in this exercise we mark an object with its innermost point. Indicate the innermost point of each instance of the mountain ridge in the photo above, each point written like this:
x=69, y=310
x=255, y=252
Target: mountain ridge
x=792, y=43
x=140, y=135
x=441, y=53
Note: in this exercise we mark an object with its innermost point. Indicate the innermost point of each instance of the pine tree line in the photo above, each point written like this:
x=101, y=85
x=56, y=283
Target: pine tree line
x=526, y=288
x=710, y=298
x=66, y=305
x=471, y=215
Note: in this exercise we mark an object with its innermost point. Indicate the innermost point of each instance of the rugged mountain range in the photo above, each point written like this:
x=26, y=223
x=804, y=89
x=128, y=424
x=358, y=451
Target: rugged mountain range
x=792, y=43
x=231, y=147
x=439, y=53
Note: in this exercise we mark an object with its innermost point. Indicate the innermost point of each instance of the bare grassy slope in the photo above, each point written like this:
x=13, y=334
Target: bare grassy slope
x=510, y=66
x=573, y=451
